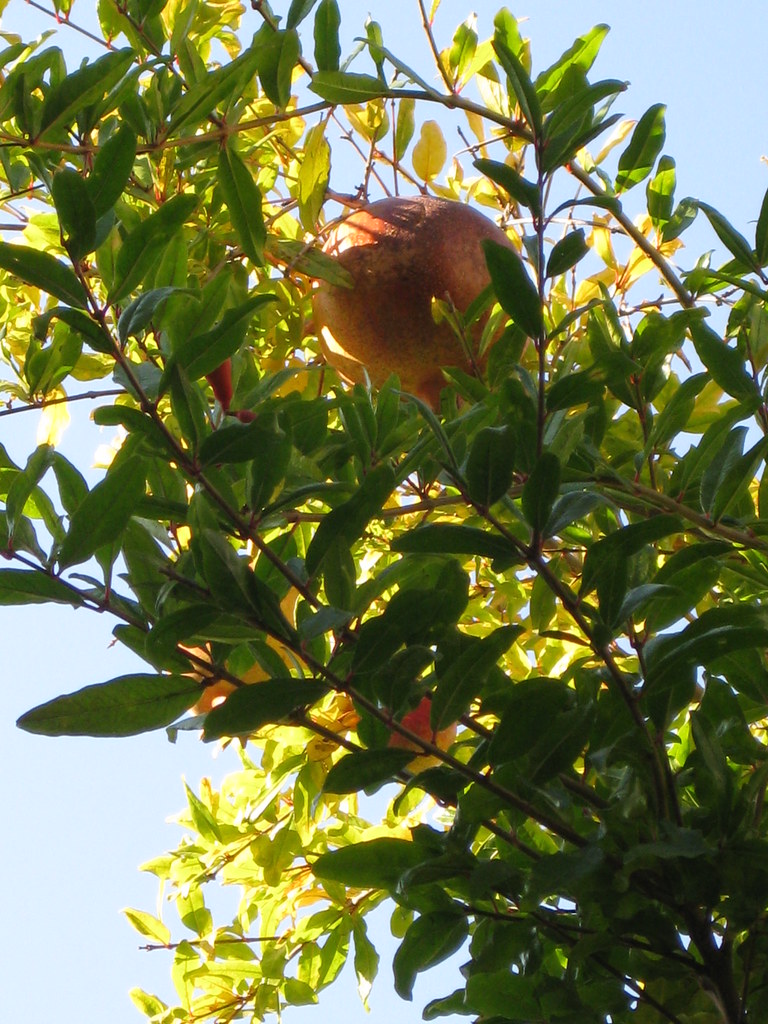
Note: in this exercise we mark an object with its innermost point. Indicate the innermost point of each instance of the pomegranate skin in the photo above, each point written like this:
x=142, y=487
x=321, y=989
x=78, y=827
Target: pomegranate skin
x=401, y=253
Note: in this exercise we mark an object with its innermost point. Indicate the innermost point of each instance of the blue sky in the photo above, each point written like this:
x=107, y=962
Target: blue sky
x=82, y=814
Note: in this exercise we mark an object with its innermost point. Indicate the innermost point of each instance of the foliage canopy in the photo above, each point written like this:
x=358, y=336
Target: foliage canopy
x=568, y=560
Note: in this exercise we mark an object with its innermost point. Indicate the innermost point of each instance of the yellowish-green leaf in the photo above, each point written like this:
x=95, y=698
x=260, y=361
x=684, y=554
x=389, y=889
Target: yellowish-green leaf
x=430, y=152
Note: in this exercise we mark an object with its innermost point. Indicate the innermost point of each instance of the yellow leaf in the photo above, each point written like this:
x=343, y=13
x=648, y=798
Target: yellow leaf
x=430, y=152
x=54, y=420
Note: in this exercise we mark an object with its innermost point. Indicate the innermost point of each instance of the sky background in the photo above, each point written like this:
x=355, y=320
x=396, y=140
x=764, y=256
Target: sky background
x=82, y=814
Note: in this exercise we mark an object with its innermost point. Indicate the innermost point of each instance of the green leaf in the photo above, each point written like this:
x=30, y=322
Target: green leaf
x=298, y=11
x=148, y=925
x=327, y=47
x=90, y=331
x=104, y=513
x=541, y=490
x=512, y=997
x=124, y=706
x=218, y=86
x=34, y=586
x=76, y=212
x=143, y=247
x=567, y=253
x=347, y=522
x=431, y=939
x=203, y=353
x=243, y=199
x=490, y=465
x=43, y=271
x=250, y=708
x=112, y=169
x=725, y=364
x=405, y=126
x=637, y=160
x=314, y=174
x=521, y=84
x=513, y=183
x=463, y=679
x=371, y=864
x=737, y=481
x=660, y=193
x=240, y=442
x=278, y=53
x=578, y=57
x=366, y=770
x=514, y=289
x=342, y=87
x=139, y=314
x=456, y=539
x=761, y=233
x=734, y=242
x=81, y=89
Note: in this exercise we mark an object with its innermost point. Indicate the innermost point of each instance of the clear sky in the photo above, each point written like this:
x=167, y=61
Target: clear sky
x=80, y=814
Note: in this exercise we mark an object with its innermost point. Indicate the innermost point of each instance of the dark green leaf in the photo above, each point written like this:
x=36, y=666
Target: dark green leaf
x=553, y=82
x=43, y=271
x=637, y=160
x=513, y=183
x=540, y=491
x=431, y=939
x=726, y=365
x=761, y=233
x=138, y=314
x=104, y=512
x=347, y=522
x=490, y=465
x=252, y=707
x=90, y=331
x=660, y=193
x=124, y=706
x=327, y=47
x=243, y=199
x=76, y=212
x=371, y=864
x=240, y=442
x=463, y=679
x=571, y=507
x=736, y=482
x=298, y=11
x=29, y=586
x=203, y=353
x=455, y=539
x=366, y=770
x=734, y=242
x=216, y=87
x=567, y=253
x=521, y=84
x=143, y=247
x=504, y=996
x=572, y=389
x=514, y=289
x=341, y=87
x=112, y=169
x=82, y=88
x=278, y=53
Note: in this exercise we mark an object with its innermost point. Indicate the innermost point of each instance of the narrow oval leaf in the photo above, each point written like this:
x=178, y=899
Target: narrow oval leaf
x=734, y=242
x=142, y=249
x=372, y=864
x=81, y=89
x=43, y=271
x=124, y=706
x=327, y=46
x=243, y=199
x=567, y=253
x=250, y=708
x=366, y=770
x=515, y=291
x=341, y=87
x=456, y=539
x=112, y=168
x=490, y=465
x=513, y=183
x=76, y=212
x=30, y=586
x=104, y=512
x=431, y=939
x=521, y=84
x=637, y=160
x=540, y=491
x=724, y=363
